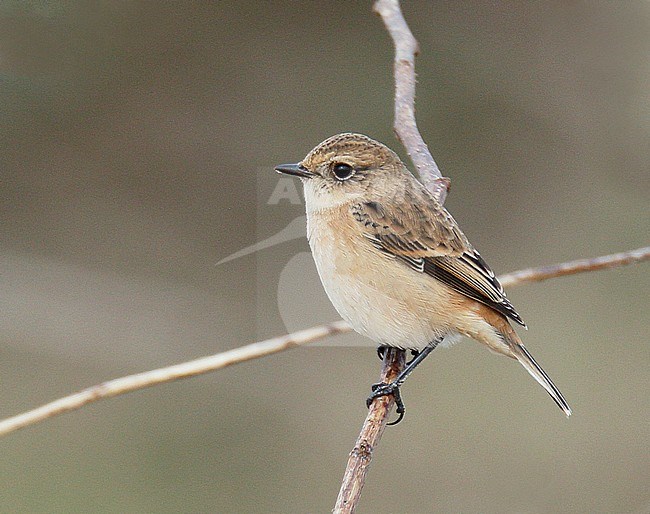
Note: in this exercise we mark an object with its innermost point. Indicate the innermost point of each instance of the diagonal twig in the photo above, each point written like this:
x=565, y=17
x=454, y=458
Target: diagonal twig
x=540, y=273
x=131, y=383
x=373, y=428
x=406, y=130
x=153, y=377
x=218, y=361
x=405, y=126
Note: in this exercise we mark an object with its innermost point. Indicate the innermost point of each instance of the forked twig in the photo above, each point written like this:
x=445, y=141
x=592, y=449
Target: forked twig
x=370, y=435
x=405, y=126
x=406, y=130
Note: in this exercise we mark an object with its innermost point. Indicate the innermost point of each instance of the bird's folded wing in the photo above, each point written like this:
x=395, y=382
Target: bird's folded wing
x=424, y=235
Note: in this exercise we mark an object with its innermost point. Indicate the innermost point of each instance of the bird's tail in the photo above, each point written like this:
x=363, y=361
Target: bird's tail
x=524, y=357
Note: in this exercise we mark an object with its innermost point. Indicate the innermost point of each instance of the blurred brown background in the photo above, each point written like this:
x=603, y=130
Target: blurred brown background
x=137, y=145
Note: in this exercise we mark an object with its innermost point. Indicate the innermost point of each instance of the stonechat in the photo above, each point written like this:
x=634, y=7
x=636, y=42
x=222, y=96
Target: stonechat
x=395, y=264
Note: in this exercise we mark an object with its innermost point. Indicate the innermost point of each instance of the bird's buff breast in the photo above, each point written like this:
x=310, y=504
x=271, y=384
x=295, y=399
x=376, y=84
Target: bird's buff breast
x=381, y=297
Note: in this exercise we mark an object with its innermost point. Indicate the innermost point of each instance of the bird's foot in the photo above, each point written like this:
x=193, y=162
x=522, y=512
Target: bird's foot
x=414, y=353
x=382, y=389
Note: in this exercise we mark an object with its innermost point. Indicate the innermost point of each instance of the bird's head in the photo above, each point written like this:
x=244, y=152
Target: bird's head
x=346, y=168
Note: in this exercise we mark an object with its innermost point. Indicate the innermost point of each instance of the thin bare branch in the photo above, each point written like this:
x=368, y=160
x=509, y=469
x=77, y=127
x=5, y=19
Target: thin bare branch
x=371, y=432
x=405, y=126
x=215, y=362
x=578, y=266
x=188, y=369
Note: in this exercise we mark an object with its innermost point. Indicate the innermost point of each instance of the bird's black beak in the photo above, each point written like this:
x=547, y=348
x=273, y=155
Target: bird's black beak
x=297, y=170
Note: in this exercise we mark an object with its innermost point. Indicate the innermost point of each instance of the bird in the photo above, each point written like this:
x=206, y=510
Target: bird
x=395, y=264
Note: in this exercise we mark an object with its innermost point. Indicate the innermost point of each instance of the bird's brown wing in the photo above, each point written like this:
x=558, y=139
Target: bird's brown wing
x=419, y=231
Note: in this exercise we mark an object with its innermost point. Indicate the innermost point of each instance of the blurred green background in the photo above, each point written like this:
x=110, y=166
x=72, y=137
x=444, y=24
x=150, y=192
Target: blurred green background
x=137, y=145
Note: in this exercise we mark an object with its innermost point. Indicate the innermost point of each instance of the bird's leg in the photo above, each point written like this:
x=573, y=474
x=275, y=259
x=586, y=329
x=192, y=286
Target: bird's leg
x=381, y=351
x=383, y=389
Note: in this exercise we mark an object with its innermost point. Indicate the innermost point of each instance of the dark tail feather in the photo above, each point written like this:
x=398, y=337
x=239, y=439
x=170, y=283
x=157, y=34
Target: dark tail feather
x=528, y=362
x=519, y=352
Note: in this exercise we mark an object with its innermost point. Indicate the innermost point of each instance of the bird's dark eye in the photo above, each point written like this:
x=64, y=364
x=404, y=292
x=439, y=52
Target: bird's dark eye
x=342, y=171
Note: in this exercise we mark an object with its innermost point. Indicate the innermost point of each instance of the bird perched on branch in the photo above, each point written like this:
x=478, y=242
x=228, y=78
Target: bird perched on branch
x=395, y=264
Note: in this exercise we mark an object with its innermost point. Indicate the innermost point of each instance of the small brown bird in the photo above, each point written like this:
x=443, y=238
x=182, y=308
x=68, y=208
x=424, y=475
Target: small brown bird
x=394, y=262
